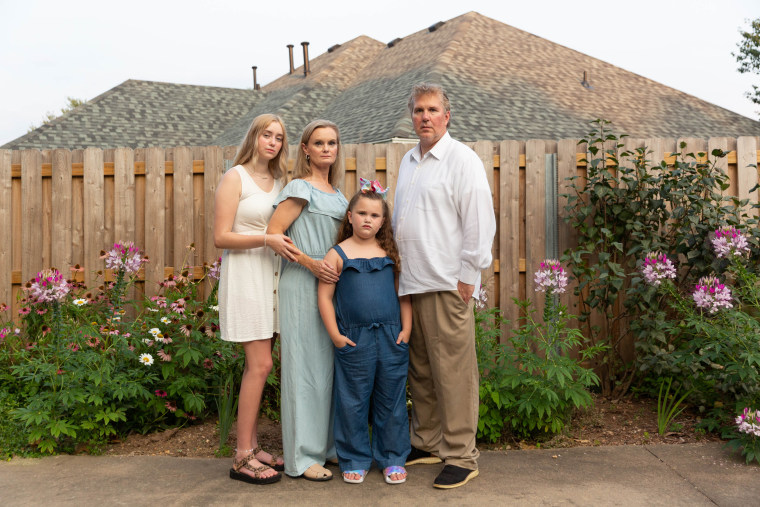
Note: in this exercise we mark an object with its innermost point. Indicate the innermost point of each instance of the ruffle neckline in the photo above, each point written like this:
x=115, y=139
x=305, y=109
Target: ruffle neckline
x=363, y=265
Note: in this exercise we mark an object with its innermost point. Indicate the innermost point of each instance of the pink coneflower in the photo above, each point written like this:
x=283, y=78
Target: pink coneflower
x=30, y=346
x=657, y=267
x=60, y=372
x=171, y=406
x=41, y=311
x=712, y=295
x=186, y=329
x=159, y=300
x=164, y=356
x=45, y=330
x=208, y=363
x=160, y=393
x=24, y=311
x=551, y=277
x=3, y=307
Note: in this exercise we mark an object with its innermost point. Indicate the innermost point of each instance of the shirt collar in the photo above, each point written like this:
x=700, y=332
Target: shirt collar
x=438, y=150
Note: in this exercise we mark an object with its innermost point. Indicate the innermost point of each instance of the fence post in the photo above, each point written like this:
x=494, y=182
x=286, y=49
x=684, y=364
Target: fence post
x=60, y=255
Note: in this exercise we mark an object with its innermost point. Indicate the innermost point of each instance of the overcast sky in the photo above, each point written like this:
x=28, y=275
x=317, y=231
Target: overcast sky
x=53, y=49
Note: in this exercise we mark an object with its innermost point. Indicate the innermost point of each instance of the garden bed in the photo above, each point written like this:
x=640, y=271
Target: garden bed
x=631, y=421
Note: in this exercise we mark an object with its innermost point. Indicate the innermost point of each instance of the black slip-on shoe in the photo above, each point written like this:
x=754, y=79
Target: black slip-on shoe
x=453, y=476
x=420, y=457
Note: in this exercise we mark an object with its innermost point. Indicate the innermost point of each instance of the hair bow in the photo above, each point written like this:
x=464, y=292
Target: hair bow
x=372, y=186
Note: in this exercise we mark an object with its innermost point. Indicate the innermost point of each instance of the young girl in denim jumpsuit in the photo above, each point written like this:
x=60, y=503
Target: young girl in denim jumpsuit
x=370, y=327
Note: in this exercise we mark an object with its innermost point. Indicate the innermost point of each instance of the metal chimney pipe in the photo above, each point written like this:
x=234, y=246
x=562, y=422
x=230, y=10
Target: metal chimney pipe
x=305, y=58
x=255, y=84
x=290, y=55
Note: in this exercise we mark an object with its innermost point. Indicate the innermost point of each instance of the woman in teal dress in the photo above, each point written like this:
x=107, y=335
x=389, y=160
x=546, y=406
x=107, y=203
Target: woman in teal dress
x=309, y=210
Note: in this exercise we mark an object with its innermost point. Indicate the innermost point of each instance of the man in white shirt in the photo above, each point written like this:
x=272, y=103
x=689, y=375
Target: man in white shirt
x=444, y=226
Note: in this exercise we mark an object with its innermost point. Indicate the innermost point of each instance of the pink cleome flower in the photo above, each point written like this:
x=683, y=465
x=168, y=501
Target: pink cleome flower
x=214, y=270
x=657, y=267
x=551, y=277
x=749, y=422
x=729, y=241
x=712, y=295
x=124, y=257
x=48, y=286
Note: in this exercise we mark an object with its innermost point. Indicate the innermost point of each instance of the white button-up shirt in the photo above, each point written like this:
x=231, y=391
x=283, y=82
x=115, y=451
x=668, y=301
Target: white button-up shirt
x=443, y=218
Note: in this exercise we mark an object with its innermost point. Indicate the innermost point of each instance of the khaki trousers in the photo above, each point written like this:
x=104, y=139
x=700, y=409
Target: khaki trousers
x=443, y=378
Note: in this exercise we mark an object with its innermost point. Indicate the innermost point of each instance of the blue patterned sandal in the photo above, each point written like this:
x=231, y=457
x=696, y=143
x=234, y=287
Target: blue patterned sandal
x=388, y=471
x=360, y=473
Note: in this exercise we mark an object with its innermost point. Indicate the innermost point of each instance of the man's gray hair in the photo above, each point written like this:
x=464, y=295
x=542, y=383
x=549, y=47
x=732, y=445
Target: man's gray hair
x=426, y=88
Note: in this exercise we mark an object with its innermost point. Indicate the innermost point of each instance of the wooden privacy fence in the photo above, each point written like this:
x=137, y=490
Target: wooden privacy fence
x=60, y=208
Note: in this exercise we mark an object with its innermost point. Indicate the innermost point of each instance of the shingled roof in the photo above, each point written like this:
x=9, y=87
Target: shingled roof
x=503, y=83
x=140, y=114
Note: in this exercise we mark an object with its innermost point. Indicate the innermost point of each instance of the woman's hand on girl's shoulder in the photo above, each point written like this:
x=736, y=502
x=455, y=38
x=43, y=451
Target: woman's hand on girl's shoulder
x=282, y=245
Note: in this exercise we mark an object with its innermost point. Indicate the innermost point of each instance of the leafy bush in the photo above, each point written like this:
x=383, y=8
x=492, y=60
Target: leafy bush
x=530, y=385
x=81, y=370
x=623, y=208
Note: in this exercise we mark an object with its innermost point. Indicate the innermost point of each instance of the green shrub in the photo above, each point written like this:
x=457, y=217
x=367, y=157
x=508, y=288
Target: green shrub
x=81, y=370
x=531, y=384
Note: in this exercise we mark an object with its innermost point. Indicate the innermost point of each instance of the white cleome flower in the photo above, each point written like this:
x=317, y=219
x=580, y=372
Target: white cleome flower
x=146, y=359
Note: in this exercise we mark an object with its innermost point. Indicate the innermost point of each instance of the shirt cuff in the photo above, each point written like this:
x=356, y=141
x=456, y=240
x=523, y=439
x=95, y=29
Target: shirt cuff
x=468, y=275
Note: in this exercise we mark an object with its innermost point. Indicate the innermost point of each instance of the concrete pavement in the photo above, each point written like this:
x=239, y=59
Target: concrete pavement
x=693, y=474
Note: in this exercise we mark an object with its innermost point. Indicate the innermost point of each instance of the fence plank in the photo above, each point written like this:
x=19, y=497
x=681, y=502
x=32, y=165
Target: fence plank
x=154, y=219
x=62, y=201
x=6, y=224
x=484, y=150
x=365, y=162
x=535, y=215
x=214, y=169
x=746, y=166
x=718, y=143
x=567, y=166
x=124, y=195
x=93, y=220
x=509, y=231
x=183, y=206
x=31, y=213
x=393, y=156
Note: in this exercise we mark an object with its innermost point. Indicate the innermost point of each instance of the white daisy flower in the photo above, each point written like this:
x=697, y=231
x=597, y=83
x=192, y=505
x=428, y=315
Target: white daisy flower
x=146, y=359
x=155, y=331
x=165, y=320
x=80, y=302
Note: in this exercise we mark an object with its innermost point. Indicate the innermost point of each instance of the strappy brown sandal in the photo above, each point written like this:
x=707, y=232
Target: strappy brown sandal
x=273, y=463
x=257, y=478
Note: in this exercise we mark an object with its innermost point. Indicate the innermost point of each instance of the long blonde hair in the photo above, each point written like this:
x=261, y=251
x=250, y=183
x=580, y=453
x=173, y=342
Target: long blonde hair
x=249, y=146
x=302, y=169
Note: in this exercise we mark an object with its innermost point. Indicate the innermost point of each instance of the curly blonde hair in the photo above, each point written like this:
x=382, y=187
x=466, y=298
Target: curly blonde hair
x=384, y=236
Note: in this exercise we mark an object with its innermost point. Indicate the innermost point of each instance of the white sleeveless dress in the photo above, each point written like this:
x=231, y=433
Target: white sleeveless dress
x=249, y=277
